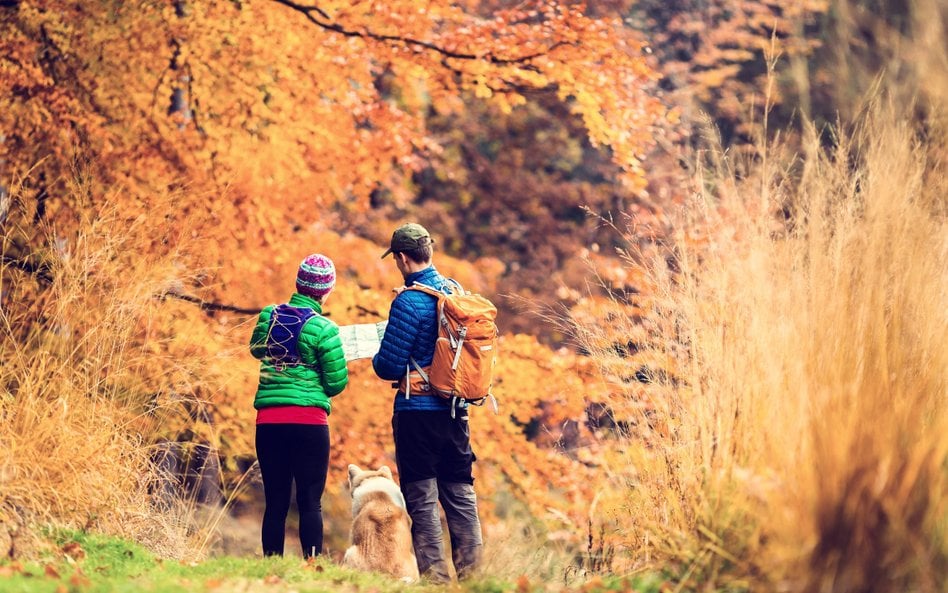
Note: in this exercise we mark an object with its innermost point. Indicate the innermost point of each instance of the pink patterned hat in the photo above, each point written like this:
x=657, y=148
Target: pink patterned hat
x=316, y=276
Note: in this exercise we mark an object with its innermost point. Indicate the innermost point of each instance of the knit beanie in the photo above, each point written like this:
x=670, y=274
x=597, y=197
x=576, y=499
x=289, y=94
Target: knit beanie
x=316, y=276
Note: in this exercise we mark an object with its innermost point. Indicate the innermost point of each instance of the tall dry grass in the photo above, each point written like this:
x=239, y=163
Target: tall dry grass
x=801, y=442
x=798, y=439
x=83, y=388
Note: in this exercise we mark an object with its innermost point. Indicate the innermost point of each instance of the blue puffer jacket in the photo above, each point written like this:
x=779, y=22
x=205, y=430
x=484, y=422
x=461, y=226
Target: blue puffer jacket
x=411, y=332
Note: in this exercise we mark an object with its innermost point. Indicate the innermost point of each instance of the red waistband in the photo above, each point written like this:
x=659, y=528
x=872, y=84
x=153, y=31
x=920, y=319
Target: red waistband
x=293, y=415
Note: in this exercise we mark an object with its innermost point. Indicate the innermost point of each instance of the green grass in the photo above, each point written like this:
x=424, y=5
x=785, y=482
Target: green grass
x=79, y=562
x=83, y=562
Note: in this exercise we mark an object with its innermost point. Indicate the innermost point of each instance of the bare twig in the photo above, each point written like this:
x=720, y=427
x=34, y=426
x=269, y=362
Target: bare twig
x=211, y=306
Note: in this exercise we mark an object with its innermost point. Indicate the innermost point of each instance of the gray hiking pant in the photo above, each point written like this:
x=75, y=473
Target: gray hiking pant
x=464, y=527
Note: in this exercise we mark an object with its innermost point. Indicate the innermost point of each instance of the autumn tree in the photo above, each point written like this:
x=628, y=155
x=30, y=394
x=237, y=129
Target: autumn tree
x=525, y=188
x=227, y=139
x=714, y=55
x=181, y=93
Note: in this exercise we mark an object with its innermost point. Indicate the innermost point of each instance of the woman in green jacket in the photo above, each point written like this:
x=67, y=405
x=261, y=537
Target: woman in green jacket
x=302, y=366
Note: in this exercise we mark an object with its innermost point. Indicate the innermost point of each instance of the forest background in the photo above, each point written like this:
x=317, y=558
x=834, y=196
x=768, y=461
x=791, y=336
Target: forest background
x=714, y=230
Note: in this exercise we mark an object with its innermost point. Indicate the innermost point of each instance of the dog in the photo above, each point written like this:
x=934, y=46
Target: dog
x=381, y=527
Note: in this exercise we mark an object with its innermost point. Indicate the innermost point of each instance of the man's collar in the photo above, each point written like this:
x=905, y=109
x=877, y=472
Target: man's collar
x=416, y=276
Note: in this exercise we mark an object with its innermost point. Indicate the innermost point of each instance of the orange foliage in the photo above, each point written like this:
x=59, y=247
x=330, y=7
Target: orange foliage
x=713, y=54
x=271, y=123
x=199, y=93
x=268, y=117
x=528, y=189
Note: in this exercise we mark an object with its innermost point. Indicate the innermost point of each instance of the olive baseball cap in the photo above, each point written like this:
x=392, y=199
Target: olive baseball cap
x=407, y=237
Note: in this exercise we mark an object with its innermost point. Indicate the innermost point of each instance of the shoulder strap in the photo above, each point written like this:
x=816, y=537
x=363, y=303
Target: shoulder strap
x=425, y=288
x=458, y=284
x=429, y=290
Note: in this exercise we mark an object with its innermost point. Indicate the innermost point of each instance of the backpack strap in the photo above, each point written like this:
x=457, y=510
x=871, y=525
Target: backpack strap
x=425, y=386
x=421, y=380
x=429, y=290
x=440, y=320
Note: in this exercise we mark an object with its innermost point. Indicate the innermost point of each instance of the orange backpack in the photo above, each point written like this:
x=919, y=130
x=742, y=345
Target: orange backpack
x=465, y=351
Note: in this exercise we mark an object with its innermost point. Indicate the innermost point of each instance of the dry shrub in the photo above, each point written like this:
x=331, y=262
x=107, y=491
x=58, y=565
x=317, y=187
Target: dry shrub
x=75, y=401
x=520, y=547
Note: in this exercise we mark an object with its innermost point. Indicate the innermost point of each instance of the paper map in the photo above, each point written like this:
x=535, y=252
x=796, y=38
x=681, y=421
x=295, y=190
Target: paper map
x=361, y=340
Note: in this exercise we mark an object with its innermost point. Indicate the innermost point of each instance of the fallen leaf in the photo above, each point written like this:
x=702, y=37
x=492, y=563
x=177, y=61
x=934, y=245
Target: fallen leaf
x=74, y=550
x=79, y=580
x=9, y=571
x=312, y=564
x=51, y=571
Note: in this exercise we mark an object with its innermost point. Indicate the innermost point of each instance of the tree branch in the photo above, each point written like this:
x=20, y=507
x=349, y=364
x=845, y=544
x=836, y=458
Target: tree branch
x=209, y=306
x=305, y=10
x=308, y=11
x=365, y=311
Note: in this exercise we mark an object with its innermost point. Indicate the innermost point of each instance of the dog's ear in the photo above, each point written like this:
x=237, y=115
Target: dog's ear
x=385, y=471
x=353, y=472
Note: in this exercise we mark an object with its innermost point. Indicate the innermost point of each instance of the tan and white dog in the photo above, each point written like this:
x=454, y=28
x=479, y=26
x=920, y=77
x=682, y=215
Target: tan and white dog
x=381, y=527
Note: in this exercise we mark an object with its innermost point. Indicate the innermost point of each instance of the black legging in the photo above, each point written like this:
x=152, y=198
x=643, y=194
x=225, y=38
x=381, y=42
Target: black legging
x=289, y=452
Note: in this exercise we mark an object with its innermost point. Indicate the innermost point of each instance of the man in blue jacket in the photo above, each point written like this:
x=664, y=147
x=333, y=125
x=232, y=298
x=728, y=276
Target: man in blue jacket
x=432, y=449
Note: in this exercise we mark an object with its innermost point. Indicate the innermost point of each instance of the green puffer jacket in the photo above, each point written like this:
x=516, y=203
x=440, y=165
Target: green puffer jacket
x=323, y=374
